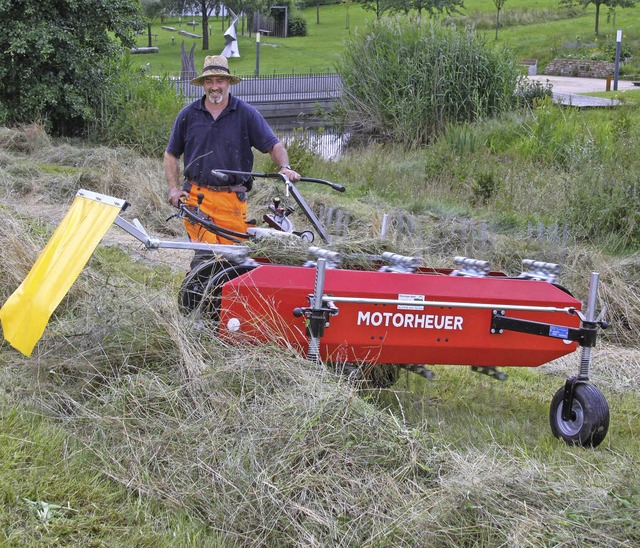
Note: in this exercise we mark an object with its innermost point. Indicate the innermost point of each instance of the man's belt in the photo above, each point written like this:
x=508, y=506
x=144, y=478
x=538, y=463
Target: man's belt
x=219, y=188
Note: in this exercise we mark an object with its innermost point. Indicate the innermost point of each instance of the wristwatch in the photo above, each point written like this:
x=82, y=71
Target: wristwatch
x=284, y=167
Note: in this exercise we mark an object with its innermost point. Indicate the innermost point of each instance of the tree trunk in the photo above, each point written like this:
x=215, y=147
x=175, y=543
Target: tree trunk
x=205, y=30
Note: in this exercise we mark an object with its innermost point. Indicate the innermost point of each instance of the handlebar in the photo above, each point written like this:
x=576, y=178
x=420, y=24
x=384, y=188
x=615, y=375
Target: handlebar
x=208, y=224
x=223, y=175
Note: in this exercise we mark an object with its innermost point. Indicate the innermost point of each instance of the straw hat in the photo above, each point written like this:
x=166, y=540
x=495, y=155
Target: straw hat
x=215, y=65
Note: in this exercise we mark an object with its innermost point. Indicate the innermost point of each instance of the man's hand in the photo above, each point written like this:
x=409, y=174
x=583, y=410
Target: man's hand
x=292, y=175
x=175, y=195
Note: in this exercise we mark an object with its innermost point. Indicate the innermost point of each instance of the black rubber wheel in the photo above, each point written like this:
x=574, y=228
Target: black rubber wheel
x=200, y=290
x=589, y=422
x=195, y=282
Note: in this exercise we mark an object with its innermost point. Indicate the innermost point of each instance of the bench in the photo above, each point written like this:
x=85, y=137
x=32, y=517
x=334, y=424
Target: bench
x=189, y=34
x=145, y=50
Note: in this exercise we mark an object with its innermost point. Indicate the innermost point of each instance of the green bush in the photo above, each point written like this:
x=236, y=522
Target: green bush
x=139, y=113
x=607, y=211
x=297, y=26
x=484, y=187
x=563, y=165
x=406, y=78
x=530, y=92
x=56, y=57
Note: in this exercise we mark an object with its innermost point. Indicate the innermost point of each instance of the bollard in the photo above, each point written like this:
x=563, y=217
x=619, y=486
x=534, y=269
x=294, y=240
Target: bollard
x=608, y=88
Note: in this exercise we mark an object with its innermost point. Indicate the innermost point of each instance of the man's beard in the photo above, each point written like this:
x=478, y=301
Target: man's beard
x=216, y=97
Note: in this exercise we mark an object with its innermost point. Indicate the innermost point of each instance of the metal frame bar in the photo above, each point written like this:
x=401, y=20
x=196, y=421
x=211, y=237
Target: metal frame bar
x=584, y=336
x=103, y=198
x=452, y=304
x=232, y=253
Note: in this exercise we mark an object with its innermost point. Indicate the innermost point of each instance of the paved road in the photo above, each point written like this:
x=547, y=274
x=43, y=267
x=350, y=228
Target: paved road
x=567, y=90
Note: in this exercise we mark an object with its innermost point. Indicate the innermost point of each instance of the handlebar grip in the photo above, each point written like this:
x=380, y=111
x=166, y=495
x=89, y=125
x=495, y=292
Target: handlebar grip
x=219, y=175
x=334, y=186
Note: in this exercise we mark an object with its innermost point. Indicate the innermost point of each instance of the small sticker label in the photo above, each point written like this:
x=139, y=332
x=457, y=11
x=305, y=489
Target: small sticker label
x=407, y=297
x=558, y=332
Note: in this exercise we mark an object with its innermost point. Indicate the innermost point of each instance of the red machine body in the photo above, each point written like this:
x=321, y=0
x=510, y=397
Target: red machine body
x=398, y=315
x=260, y=304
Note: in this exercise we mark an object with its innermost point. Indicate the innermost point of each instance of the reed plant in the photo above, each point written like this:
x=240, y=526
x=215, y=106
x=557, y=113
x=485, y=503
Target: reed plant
x=420, y=76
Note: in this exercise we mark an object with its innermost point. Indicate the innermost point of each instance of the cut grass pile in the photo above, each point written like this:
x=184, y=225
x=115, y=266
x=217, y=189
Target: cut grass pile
x=132, y=424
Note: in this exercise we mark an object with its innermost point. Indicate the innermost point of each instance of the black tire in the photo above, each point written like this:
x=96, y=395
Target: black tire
x=589, y=421
x=195, y=282
x=200, y=290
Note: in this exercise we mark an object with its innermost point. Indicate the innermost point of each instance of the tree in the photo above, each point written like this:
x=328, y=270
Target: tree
x=376, y=6
x=151, y=10
x=154, y=9
x=250, y=7
x=56, y=54
x=597, y=3
x=208, y=7
x=499, y=4
x=611, y=4
x=204, y=7
x=433, y=8
x=619, y=4
x=437, y=7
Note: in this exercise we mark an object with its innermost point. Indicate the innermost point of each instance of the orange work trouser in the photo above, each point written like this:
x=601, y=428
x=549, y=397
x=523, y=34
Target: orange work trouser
x=226, y=209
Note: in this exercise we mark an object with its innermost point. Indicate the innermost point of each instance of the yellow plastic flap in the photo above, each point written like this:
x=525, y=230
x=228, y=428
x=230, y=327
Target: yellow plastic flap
x=27, y=311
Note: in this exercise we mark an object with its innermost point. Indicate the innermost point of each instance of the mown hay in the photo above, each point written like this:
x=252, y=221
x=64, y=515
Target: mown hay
x=268, y=449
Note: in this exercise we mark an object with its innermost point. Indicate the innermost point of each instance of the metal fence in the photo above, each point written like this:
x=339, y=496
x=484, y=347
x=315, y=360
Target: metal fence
x=282, y=88
x=310, y=86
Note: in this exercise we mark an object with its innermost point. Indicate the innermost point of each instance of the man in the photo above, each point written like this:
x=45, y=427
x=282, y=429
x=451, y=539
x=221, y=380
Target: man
x=218, y=131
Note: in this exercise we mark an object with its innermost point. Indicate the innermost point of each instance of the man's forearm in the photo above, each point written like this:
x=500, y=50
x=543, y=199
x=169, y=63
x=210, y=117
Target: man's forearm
x=172, y=170
x=172, y=173
x=279, y=155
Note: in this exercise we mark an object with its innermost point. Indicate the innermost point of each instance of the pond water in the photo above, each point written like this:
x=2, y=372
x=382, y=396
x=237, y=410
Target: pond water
x=327, y=142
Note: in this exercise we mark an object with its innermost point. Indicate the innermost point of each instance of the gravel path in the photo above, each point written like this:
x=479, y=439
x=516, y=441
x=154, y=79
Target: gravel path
x=567, y=90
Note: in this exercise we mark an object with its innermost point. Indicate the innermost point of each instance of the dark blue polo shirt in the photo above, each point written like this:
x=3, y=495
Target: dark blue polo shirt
x=224, y=143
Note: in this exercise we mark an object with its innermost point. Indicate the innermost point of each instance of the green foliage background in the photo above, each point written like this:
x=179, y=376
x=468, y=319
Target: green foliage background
x=57, y=59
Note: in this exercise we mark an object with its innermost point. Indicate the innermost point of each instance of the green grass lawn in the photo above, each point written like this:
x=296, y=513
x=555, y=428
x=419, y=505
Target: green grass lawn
x=531, y=29
x=317, y=51
x=53, y=494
